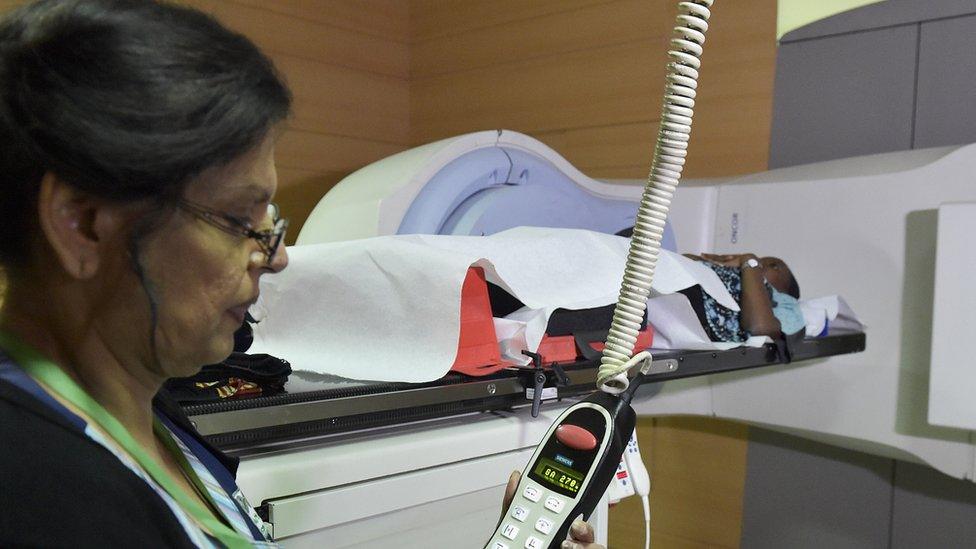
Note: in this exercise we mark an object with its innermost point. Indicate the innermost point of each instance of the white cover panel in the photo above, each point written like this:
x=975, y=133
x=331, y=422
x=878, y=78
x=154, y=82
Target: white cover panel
x=372, y=200
x=871, y=239
x=864, y=228
x=952, y=393
x=397, y=486
x=691, y=216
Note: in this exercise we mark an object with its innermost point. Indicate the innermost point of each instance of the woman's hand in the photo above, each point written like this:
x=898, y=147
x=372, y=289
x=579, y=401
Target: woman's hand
x=581, y=534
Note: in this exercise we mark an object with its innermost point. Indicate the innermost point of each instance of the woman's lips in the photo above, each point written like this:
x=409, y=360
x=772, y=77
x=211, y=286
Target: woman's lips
x=239, y=312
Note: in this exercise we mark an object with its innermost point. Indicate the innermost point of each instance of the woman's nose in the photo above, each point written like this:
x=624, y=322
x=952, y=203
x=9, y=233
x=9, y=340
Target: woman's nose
x=280, y=259
x=259, y=260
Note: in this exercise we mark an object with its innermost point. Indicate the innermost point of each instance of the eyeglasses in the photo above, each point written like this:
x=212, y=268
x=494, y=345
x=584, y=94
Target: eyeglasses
x=268, y=239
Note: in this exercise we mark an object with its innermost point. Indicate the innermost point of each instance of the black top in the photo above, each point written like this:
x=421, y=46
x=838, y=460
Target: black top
x=58, y=488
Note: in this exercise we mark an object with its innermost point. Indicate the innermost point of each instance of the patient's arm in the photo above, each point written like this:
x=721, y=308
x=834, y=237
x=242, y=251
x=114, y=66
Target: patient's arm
x=757, y=309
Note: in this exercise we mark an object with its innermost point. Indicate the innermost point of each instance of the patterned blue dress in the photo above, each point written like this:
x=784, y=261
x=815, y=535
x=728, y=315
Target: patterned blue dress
x=724, y=324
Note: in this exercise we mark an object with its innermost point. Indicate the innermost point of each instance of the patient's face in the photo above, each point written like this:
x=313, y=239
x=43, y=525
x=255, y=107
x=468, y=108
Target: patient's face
x=777, y=273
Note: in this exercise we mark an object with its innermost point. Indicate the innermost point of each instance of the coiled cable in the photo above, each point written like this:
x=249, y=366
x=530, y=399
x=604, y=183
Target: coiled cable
x=669, y=159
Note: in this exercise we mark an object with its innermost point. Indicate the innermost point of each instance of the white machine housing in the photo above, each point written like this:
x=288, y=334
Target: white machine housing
x=475, y=184
x=866, y=228
x=862, y=227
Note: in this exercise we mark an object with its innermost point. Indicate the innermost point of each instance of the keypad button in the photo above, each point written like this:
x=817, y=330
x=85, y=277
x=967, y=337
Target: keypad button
x=533, y=543
x=510, y=531
x=520, y=513
x=499, y=545
x=543, y=525
x=554, y=504
x=532, y=493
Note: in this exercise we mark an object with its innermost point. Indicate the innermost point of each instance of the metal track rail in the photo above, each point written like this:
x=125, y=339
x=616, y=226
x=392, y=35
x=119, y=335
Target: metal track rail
x=235, y=425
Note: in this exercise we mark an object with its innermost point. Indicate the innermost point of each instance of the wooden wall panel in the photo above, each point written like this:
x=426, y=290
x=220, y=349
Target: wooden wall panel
x=619, y=22
x=316, y=39
x=437, y=18
x=322, y=152
x=733, y=114
x=697, y=468
x=342, y=101
x=347, y=63
x=582, y=76
x=300, y=191
x=383, y=18
x=587, y=88
x=601, y=149
x=6, y=5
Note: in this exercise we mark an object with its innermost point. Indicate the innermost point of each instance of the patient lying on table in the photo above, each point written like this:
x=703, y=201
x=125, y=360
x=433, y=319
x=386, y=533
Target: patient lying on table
x=767, y=293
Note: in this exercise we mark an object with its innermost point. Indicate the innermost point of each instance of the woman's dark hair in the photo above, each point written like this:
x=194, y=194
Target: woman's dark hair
x=125, y=100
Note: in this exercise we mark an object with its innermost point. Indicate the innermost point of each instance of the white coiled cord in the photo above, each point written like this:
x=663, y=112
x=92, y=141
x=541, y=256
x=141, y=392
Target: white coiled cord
x=669, y=160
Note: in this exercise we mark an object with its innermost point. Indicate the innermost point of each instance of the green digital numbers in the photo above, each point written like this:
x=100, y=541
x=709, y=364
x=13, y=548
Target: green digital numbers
x=554, y=474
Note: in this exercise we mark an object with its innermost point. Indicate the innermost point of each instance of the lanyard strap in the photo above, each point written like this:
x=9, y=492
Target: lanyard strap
x=50, y=374
x=163, y=433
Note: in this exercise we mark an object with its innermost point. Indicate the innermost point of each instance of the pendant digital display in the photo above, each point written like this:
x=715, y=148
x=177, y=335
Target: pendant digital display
x=563, y=465
x=558, y=475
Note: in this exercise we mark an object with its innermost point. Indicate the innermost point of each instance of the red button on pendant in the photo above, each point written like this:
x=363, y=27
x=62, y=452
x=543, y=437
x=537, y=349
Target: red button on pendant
x=575, y=437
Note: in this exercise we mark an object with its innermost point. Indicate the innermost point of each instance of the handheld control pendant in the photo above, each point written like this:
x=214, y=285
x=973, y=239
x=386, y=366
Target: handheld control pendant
x=571, y=469
x=568, y=473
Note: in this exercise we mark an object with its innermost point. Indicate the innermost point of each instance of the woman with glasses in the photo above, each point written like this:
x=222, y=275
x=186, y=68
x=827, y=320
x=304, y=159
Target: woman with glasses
x=136, y=177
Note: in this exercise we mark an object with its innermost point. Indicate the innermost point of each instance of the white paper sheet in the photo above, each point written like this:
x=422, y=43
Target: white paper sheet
x=575, y=268
x=378, y=309
x=596, y=258
x=511, y=340
x=388, y=308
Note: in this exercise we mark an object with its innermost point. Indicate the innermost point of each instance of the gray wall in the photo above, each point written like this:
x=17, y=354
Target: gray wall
x=892, y=76
x=847, y=89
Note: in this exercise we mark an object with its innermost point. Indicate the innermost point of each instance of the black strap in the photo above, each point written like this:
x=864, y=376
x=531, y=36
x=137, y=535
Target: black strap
x=786, y=346
x=583, y=340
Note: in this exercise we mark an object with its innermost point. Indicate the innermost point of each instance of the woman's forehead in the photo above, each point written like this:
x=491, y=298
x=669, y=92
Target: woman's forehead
x=252, y=193
x=251, y=178
x=231, y=190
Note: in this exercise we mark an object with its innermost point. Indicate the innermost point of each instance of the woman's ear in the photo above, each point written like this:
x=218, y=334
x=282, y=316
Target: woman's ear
x=75, y=225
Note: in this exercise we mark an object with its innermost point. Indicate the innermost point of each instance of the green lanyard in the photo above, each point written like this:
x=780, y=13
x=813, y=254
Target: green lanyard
x=48, y=373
